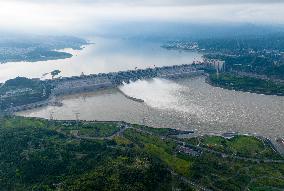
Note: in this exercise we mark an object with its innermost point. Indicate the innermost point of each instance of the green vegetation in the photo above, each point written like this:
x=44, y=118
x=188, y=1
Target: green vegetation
x=177, y=164
x=21, y=91
x=55, y=73
x=262, y=64
x=89, y=129
x=161, y=131
x=36, y=155
x=259, y=57
x=242, y=83
x=226, y=174
x=163, y=149
x=240, y=145
x=36, y=48
x=42, y=155
x=19, y=82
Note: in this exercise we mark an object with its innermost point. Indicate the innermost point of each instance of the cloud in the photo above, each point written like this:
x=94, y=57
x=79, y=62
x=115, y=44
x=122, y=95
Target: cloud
x=74, y=15
x=154, y=2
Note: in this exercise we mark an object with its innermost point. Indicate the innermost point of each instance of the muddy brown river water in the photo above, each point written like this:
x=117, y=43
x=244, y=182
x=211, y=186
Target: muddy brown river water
x=188, y=104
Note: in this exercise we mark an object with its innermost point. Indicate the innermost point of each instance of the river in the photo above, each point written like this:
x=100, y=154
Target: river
x=188, y=104
x=106, y=55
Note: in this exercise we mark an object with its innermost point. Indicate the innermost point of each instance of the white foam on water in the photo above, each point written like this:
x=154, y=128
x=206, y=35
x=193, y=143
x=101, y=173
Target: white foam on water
x=161, y=94
x=184, y=104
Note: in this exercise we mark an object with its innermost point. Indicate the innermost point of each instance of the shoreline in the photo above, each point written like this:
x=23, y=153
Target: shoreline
x=274, y=144
x=208, y=81
x=203, y=129
x=95, y=82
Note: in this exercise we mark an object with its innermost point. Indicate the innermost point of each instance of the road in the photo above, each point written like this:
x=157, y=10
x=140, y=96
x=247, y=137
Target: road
x=125, y=126
x=224, y=155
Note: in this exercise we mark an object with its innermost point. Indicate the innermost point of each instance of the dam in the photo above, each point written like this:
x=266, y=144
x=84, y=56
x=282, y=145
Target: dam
x=93, y=82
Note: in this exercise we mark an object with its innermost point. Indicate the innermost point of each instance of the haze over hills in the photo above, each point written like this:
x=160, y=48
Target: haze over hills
x=191, y=31
x=36, y=48
x=89, y=17
x=134, y=95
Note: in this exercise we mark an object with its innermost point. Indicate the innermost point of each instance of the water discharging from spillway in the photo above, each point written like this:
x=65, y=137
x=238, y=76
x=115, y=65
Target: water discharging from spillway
x=194, y=102
x=161, y=94
x=188, y=104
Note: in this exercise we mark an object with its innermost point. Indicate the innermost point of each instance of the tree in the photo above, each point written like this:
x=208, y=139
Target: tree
x=55, y=73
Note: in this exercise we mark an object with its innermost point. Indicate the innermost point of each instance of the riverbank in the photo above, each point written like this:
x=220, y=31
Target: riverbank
x=187, y=104
x=52, y=101
x=76, y=154
x=21, y=93
x=37, y=48
x=245, y=84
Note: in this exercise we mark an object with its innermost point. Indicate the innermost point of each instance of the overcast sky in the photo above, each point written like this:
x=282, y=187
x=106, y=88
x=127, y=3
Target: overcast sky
x=74, y=15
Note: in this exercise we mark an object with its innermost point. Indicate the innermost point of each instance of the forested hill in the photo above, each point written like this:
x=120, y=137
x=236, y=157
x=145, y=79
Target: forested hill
x=42, y=155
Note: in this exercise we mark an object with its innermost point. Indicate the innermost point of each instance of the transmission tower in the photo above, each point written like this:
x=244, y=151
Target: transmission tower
x=51, y=115
x=77, y=114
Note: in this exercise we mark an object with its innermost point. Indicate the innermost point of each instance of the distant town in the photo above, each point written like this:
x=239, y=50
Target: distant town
x=37, y=48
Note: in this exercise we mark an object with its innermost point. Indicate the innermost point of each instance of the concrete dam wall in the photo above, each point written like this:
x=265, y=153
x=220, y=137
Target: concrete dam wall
x=93, y=82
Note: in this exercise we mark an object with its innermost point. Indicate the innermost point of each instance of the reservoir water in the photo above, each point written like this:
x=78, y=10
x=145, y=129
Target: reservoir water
x=106, y=55
x=188, y=104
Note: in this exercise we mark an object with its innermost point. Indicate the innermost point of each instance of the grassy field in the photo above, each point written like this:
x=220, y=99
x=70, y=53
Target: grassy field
x=94, y=129
x=244, y=146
